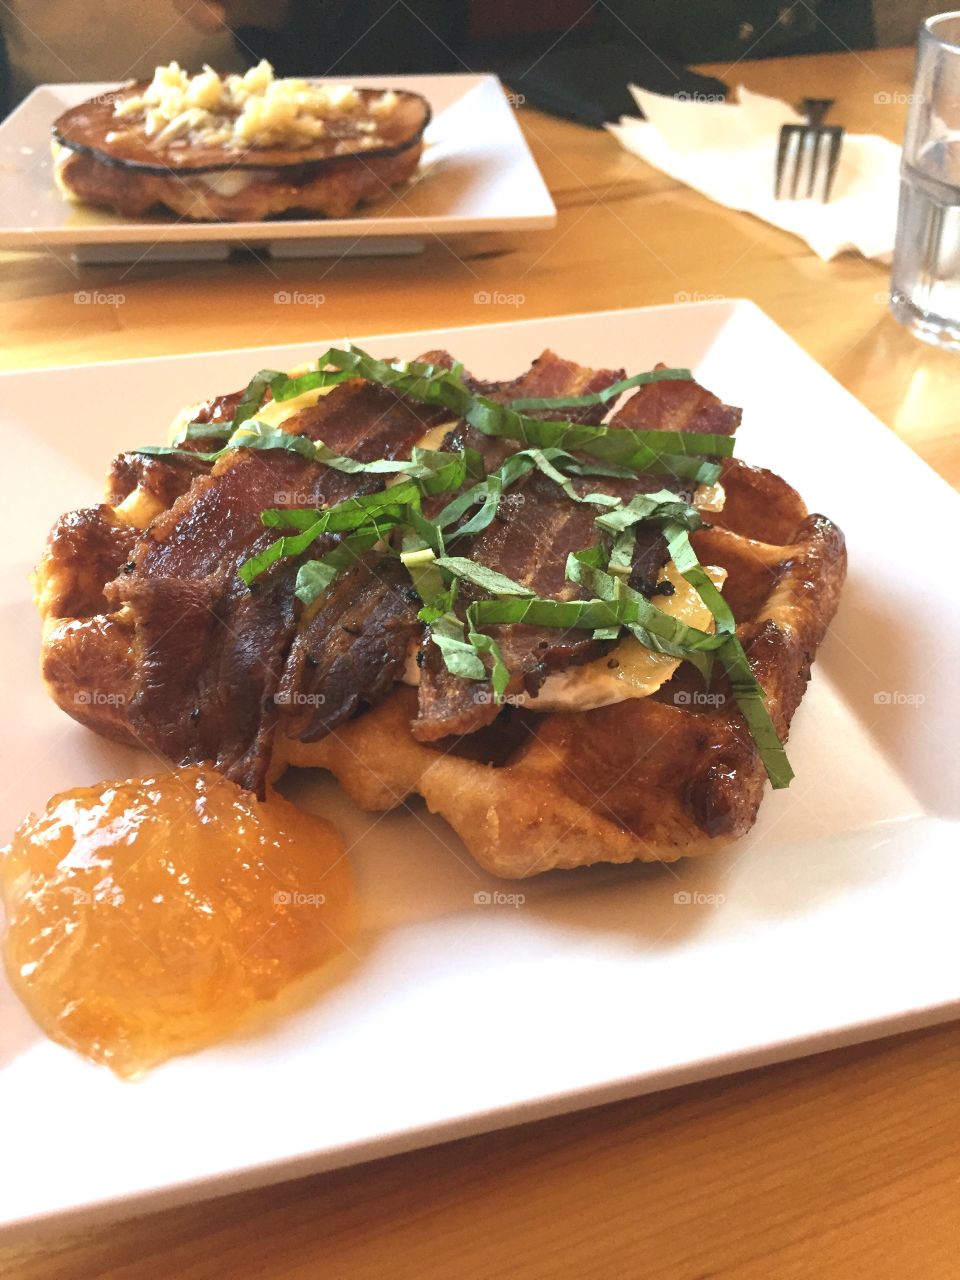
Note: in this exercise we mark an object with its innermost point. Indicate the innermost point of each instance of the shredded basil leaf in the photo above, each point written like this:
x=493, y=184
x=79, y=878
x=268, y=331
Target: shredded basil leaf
x=202, y=431
x=490, y=490
x=622, y=553
x=253, y=397
x=677, y=453
x=387, y=505
x=499, y=671
x=314, y=577
x=616, y=606
x=752, y=702
x=437, y=472
x=258, y=435
x=651, y=626
x=428, y=533
x=685, y=558
x=612, y=392
x=283, y=387
x=420, y=561
x=497, y=584
x=292, y=545
x=487, y=492
x=662, y=505
x=459, y=655
x=163, y=451
x=440, y=471
x=543, y=461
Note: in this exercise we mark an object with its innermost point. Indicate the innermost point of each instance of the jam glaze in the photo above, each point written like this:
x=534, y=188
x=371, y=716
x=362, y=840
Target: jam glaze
x=151, y=917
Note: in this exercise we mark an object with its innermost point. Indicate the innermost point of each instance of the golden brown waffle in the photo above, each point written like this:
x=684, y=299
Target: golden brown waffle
x=655, y=779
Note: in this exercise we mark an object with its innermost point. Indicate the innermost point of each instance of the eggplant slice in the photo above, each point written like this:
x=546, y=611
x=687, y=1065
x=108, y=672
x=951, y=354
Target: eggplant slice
x=109, y=162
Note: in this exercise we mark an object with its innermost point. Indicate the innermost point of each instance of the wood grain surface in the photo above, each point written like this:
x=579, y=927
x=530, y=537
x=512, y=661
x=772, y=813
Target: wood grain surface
x=841, y=1165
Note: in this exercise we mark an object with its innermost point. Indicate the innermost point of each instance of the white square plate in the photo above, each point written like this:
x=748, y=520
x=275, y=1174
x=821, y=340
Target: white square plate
x=477, y=174
x=837, y=915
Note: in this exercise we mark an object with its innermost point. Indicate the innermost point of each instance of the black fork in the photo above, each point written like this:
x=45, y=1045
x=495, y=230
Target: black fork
x=802, y=146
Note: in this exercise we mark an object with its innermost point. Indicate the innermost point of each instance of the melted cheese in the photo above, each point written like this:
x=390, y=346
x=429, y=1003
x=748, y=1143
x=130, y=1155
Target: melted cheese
x=60, y=156
x=710, y=497
x=433, y=439
x=139, y=508
x=276, y=412
x=182, y=420
x=227, y=184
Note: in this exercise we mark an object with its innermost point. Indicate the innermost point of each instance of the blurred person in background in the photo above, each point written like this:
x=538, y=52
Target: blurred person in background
x=114, y=40
x=51, y=41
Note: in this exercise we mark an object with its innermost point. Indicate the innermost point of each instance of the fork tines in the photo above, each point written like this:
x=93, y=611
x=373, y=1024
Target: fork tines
x=801, y=154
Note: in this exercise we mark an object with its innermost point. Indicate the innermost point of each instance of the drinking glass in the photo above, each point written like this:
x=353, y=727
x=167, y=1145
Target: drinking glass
x=925, y=286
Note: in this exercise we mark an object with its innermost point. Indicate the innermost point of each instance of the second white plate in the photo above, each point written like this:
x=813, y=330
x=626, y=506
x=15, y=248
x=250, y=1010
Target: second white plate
x=477, y=174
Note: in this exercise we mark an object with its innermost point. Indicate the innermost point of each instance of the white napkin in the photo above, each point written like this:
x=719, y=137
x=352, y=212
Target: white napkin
x=728, y=151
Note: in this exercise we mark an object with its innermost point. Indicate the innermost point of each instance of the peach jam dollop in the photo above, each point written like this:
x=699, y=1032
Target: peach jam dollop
x=151, y=917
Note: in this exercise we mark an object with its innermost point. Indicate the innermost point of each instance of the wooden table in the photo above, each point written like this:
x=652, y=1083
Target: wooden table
x=842, y=1165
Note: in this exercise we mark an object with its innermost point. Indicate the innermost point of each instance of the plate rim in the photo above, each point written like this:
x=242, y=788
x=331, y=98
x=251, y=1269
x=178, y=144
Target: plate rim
x=271, y=1173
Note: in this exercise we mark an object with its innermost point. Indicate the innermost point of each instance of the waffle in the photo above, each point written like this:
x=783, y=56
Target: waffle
x=674, y=774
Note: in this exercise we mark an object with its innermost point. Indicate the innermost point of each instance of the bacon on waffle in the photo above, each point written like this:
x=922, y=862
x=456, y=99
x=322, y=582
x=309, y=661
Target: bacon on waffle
x=150, y=635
